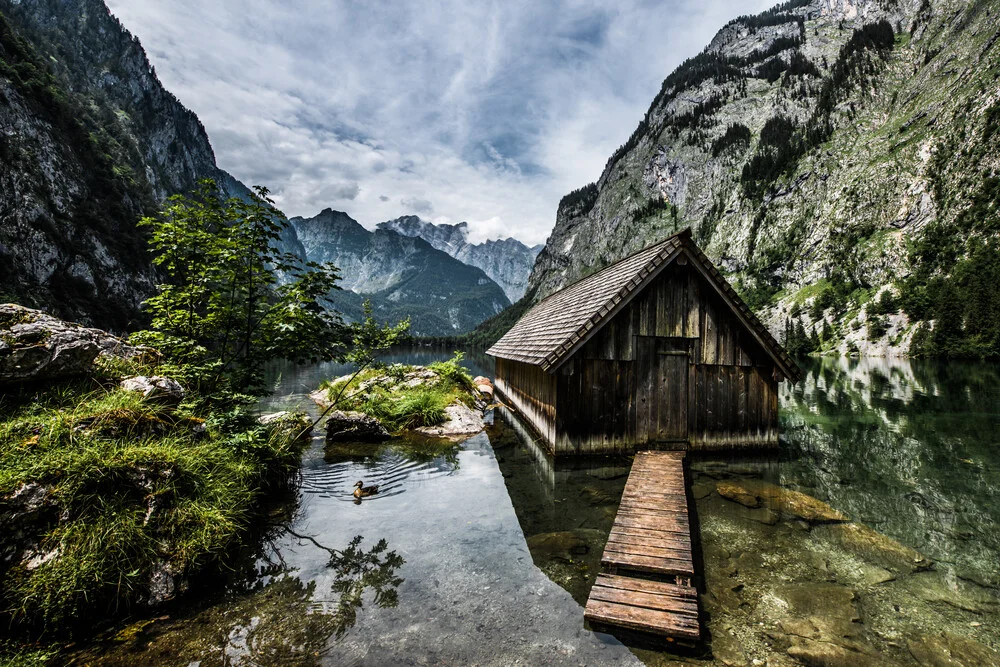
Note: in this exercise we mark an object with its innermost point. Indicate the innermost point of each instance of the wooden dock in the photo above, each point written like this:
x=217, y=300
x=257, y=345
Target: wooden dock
x=648, y=561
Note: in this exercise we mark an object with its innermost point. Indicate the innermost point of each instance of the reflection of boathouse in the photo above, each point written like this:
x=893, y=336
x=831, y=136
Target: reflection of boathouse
x=656, y=350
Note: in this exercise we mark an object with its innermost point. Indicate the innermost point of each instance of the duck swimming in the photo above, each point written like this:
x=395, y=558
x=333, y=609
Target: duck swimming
x=362, y=491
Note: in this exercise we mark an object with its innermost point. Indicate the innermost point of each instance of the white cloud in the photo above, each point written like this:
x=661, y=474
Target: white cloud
x=486, y=112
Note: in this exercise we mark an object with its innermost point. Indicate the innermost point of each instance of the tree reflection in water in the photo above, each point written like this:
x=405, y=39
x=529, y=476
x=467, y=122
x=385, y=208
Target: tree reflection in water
x=284, y=622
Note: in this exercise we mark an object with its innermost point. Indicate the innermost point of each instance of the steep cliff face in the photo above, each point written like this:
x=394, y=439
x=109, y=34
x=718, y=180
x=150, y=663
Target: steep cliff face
x=506, y=261
x=90, y=141
x=813, y=149
x=402, y=276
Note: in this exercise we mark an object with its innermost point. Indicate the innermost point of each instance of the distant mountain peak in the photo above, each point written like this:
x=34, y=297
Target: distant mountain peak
x=507, y=261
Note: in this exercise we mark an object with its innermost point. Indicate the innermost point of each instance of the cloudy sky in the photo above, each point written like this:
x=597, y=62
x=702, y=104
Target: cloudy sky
x=469, y=110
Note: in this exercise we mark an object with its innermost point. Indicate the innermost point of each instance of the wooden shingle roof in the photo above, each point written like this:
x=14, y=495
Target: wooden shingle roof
x=560, y=323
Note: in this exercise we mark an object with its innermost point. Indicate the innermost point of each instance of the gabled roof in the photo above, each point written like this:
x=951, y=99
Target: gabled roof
x=561, y=323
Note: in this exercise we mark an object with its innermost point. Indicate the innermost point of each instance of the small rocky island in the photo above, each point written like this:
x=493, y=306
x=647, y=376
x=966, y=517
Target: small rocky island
x=441, y=400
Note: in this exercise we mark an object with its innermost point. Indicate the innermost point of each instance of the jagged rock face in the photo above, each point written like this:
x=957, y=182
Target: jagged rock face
x=36, y=347
x=402, y=276
x=89, y=142
x=802, y=154
x=506, y=261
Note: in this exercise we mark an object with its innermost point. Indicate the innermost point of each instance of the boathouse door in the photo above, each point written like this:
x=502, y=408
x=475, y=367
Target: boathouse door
x=662, y=392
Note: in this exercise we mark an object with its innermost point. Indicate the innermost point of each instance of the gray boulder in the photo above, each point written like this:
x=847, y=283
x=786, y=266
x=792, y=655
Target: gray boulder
x=35, y=346
x=460, y=420
x=155, y=388
x=354, y=427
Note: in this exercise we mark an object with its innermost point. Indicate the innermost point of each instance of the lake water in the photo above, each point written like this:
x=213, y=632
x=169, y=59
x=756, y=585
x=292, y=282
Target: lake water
x=490, y=548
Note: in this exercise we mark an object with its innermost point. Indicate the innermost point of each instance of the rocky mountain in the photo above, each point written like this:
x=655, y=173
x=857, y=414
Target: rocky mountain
x=507, y=261
x=402, y=276
x=838, y=159
x=89, y=141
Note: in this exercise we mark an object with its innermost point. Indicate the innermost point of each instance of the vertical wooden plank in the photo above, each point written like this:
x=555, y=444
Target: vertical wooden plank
x=725, y=341
x=660, y=294
x=709, y=335
x=677, y=316
x=692, y=327
x=741, y=405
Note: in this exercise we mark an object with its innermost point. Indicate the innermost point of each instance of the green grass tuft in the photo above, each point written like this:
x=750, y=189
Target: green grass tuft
x=127, y=487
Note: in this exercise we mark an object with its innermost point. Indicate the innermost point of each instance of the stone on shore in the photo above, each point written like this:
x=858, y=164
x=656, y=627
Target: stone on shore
x=155, y=388
x=354, y=427
x=460, y=420
x=35, y=346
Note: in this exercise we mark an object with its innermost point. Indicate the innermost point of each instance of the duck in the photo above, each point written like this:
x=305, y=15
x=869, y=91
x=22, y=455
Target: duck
x=362, y=491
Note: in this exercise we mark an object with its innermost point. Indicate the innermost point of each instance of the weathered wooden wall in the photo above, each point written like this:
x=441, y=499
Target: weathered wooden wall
x=604, y=391
x=532, y=392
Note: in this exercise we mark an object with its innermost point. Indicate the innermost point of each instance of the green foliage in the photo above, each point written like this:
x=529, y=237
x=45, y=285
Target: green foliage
x=582, y=199
x=453, y=371
x=222, y=314
x=127, y=485
x=963, y=303
x=737, y=136
x=797, y=341
x=381, y=392
x=777, y=155
x=407, y=408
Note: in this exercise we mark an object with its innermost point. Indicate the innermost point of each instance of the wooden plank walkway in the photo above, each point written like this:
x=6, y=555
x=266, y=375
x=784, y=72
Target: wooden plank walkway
x=648, y=561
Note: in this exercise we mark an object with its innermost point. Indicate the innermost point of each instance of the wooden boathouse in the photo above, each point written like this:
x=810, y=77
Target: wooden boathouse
x=655, y=351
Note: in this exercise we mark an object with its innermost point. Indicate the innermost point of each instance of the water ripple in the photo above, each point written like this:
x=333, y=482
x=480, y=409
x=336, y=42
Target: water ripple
x=393, y=471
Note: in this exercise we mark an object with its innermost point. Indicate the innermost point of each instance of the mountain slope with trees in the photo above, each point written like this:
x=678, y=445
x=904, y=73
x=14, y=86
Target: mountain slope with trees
x=838, y=160
x=90, y=141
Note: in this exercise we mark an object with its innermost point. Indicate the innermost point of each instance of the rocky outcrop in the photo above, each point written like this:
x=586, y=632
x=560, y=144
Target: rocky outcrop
x=507, y=261
x=35, y=346
x=460, y=420
x=875, y=546
x=805, y=154
x=354, y=427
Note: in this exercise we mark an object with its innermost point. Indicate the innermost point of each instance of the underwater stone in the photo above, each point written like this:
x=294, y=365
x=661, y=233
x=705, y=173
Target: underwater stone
x=875, y=546
x=753, y=493
x=948, y=650
x=736, y=493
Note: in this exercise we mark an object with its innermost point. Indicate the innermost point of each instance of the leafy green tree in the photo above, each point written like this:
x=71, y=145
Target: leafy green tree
x=231, y=301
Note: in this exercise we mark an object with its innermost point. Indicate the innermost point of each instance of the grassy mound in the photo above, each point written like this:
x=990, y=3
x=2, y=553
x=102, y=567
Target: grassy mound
x=404, y=397
x=113, y=501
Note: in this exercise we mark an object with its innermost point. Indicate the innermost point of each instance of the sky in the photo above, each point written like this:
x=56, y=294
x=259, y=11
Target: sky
x=487, y=112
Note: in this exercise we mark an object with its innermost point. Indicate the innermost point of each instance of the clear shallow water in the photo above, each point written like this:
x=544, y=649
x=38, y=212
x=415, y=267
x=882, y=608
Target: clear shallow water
x=500, y=545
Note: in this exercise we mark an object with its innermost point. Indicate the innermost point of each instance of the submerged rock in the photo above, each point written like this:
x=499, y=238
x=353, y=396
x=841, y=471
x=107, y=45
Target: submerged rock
x=754, y=493
x=35, y=346
x=155, y=388
x=948, y=650
x=874, y=546
x=354, y=427
x=736, y=493
x=565, y=545
x=460, y=420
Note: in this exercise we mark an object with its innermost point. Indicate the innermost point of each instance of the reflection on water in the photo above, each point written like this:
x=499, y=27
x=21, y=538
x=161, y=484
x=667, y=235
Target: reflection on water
x=823, y=552
x=817, y=556
x=910, y=449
